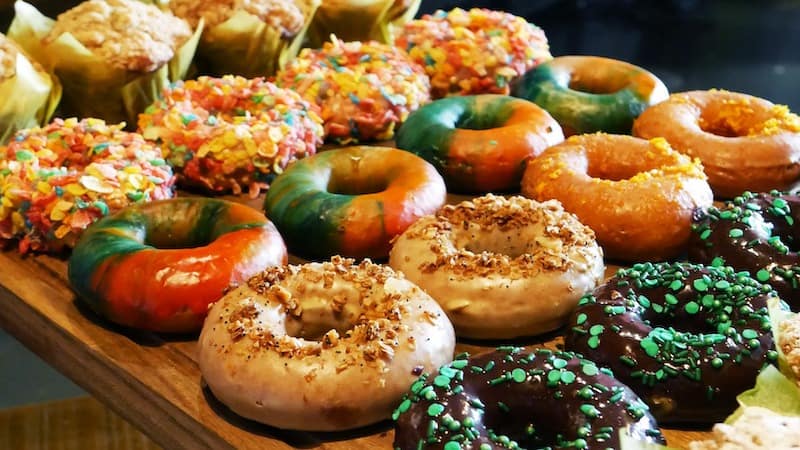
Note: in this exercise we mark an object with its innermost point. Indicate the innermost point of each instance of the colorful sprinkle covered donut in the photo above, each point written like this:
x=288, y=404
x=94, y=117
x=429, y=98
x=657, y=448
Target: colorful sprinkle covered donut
x=754, y=232
x=479, y=143
x=745, y=143
x=158, y=266
x=514, y=399
x=687, y=338
x=364, y=89
x=352, y=201
x=56, y=180
x=482, y=259
x=586, y=94
x=473, y=52
x=231, y=133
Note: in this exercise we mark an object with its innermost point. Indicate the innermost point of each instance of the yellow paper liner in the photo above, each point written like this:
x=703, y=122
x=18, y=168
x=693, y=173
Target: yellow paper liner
x=360, y=20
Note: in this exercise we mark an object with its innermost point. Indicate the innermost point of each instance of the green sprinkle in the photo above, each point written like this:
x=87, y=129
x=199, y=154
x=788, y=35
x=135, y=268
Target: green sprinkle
x=762, y=275
x=644, y=301
x=700, y=285
x=676, y=285
x=459, y=364
x=722, y=284
x=596, y=330
x=749, y=334
x=581, y=319
x=519, y=375
x=718, y=262
x=441, y=381
x=567, y=377
x=452, y=445
x=559, y=363
x=717, y=363
x=692, y=308
x=589, y=411
x=671, y=299
x=649, y=346
x=485, y=447
x=554, y=376
x=593, y=342
x=586, y=393
x=658, y=308
x=735, y=233
x=435, y=409
x=705, y=234
x=24, y=155
x=589, y=369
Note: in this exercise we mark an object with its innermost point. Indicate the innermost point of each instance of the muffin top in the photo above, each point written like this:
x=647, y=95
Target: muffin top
x=282, y=14
x=127, y=34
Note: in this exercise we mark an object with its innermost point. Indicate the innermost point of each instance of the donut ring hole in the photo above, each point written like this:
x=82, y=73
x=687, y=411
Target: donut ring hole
x=162, y=231
x=486, y=115
x=318, y=319
x=604, y=165
x=356, y=185
x=512, y=243
x=735, y=118
x=588, y=82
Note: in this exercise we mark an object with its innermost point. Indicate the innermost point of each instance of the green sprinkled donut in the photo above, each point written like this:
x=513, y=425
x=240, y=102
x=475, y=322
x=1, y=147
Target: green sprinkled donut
x=687, y=338
x=513, y=398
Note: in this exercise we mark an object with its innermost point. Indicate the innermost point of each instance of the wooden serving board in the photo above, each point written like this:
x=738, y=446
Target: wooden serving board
x=153, y=381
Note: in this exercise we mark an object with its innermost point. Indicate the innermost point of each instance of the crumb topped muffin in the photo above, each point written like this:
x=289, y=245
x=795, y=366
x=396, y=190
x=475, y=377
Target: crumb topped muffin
x=284, y=14
x=757, y=429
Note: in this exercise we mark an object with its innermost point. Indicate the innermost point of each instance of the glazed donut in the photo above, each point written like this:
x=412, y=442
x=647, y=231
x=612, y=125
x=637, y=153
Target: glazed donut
x=637, y=196
x=56, y=180
x=745, y=143
x=344, y=339
x=687, y=338
x=352, y=201
x=482, y=259
x=158, y=266
x=473, y=52
x=479, y=143
x=754, y=232
x=512, y=398
x=231, y=133
x=364, y=89
x=586, y=94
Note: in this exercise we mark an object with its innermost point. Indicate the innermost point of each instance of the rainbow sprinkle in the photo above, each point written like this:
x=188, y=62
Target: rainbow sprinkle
x=57, y=180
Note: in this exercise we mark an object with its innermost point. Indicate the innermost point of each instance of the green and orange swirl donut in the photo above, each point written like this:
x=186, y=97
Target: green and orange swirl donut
x=352, y=201
x=158, y=266
x=586, y=94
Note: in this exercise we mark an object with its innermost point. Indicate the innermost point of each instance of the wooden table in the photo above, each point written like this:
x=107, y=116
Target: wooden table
x=153, y=381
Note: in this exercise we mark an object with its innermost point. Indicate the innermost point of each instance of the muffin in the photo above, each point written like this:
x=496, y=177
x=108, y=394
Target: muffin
x=360, y=20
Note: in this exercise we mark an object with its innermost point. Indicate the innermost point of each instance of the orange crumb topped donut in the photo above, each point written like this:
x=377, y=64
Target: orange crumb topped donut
x=322, y=346
x=638, y=196
x=501, y=268
x=745, y=143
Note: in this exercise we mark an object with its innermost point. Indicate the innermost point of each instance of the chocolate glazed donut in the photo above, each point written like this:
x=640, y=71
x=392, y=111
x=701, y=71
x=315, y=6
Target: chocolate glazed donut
x=754, y=232
x=512, y=398
x=687, y=338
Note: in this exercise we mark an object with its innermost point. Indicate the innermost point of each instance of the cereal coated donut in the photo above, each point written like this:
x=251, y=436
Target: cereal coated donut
x=483, y=259
x=158, y=266
x=352, y=201
x=479, y=143
x=637, y=196
x=364, y=89
x=345, y=340
x=231, y=133
x=586, y=94
x=56, y=180
x=753, y=232
x=512, y=398
x=687, y=338
x=473, y=52
x=745, y=143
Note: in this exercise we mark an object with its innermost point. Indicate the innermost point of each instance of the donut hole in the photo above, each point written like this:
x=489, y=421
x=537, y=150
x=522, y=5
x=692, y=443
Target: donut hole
x=357, y=185
x=495, y=242
x=733, y=119
x=597, y=85
x=339, y=310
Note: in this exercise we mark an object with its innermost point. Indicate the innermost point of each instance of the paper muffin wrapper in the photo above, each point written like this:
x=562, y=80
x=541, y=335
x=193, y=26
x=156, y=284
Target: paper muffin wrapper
x=93, y=87
x=360, y=20
x=42, y=93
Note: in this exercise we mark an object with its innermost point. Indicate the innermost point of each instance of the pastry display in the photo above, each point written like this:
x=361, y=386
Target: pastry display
x=745, y=143
x=638, y=196
x=587, y=94
x=514, y=398
x=352, y=201
x=250, y=38
x=473, y=52
x=687, y=338
x=364, y=89
x=322, y=346
x=57, y=180
x=231, y=133
x=479, y=143
x=501, y=268
x=112, y=57
x=360, y=20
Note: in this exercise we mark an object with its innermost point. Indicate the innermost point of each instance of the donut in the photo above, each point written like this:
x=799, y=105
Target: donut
x=745, y=143
x=482, y=259
x=158, y=266
x=687, y=338
x=638, y=196
x=586, y=94
x=352, y=201
x=344, y=340
x=756, y=233
x=479, y=143
x=514, y=398
x=364, y=89
x=231, y=133
x=473, y=52
x=58, y=179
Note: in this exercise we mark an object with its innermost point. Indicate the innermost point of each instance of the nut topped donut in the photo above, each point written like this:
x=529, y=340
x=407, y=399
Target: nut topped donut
x=513, y=399
x=482, y=260
x=687, y=338
x=344, y=340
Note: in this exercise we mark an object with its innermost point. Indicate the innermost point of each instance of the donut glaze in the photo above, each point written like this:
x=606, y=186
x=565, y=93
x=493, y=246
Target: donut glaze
x=687, y=338
x=754, y=232
x=513, y=398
